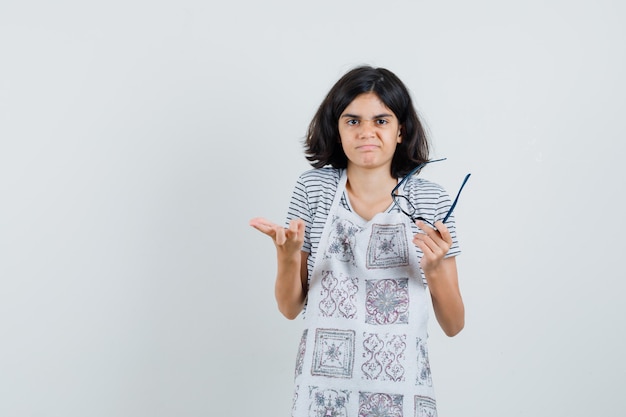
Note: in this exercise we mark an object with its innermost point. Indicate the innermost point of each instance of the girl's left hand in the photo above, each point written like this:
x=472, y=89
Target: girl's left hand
x=434, y=244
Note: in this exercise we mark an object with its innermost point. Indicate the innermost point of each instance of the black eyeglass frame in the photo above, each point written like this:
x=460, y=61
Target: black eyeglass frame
x=395, y=196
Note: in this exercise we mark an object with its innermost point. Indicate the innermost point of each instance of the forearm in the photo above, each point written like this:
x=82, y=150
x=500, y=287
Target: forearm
x=291, y=272
x=450, y=312
x=446, y=298
x=290, y=291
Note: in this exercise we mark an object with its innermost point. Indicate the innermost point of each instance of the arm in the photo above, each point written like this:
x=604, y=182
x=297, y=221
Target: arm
x=441, y=275
x=291, y=284
x=291, y=274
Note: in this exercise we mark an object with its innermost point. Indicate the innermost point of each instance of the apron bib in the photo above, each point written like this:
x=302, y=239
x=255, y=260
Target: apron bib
x=363, y=351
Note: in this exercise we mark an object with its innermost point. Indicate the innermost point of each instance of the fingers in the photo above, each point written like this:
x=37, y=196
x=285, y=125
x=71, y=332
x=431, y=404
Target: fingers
x=280, y=235
x=259, y=222
x=265, y=226
x=297, y=226
x=444, y=233
x=295, y=232
x=433, y=242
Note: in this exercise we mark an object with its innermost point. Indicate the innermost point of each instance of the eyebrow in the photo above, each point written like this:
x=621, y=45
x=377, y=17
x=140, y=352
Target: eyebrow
x=378, y=116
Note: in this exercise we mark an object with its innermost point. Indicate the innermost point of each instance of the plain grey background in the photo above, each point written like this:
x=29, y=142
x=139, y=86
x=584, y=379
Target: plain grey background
x=137, y=138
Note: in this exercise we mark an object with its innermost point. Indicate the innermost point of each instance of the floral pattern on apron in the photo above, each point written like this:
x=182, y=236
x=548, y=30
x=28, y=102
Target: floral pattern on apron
x=363, y=352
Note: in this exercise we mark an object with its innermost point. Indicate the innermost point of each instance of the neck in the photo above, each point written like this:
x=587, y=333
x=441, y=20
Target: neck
x=369, y=190
x=372, y=182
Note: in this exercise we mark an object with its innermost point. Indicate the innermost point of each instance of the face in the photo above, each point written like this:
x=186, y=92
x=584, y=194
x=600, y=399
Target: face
x=369, y=132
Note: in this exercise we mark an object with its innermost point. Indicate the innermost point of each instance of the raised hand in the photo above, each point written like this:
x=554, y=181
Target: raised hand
x=291, y=274
x=434, y=243
x=441, y=275
x=288, y=240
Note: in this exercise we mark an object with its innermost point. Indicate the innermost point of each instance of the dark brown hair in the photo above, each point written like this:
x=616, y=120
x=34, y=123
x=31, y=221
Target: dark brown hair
x=322, y=146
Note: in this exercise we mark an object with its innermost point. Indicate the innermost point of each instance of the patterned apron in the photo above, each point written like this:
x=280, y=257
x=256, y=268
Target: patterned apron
x=363, y=352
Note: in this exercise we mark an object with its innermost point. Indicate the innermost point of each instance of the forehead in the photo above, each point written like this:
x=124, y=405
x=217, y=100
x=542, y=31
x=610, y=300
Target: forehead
x=367, y=104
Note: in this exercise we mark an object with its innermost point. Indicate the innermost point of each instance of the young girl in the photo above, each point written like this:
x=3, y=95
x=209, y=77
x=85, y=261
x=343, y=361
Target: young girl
x=361, y=250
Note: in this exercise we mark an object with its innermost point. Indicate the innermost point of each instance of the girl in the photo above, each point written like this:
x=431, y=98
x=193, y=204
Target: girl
x=365, y=253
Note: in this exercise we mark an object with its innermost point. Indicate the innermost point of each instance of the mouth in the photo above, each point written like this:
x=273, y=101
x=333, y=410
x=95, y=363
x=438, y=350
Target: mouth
x=367, y=147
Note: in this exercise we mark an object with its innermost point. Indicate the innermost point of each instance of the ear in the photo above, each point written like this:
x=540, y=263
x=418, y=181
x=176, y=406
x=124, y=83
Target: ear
x=399, y=134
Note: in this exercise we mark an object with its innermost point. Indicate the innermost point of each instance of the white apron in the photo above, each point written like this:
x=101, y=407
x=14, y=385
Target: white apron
x=363, y=351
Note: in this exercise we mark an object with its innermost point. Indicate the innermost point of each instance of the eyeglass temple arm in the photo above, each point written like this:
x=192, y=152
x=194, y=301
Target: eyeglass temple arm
x=456, y=199
x=412, y=172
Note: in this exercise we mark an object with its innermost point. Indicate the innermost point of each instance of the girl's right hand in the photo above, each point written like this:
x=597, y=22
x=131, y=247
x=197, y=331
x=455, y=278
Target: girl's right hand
x=287, y=240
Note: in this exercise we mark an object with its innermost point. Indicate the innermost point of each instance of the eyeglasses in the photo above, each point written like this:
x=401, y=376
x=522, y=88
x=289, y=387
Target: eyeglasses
x=408, y=208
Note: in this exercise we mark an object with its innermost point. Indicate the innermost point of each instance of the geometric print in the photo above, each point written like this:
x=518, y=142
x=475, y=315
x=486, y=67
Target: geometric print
x=328, y=402
x=378, y=404
x=425, y=407
x=294, y=401
x=341, y=240
x=333, y=355
x=301, y=351
x=338, y=295
x=387, y=301
x=388, y=246
x=385, y=357
x=359, y=357
x=424, y=376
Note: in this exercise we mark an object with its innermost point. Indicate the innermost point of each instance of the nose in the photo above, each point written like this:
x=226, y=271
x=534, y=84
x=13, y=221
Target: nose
x=367, y=128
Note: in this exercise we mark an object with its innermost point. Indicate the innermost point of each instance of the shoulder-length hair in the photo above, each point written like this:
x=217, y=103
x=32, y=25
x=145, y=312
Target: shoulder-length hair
x=322, y=143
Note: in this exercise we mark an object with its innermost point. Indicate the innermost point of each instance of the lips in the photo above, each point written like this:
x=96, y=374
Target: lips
x=367, y=147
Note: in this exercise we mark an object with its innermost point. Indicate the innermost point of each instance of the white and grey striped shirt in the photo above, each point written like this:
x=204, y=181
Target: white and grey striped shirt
x=313, y=196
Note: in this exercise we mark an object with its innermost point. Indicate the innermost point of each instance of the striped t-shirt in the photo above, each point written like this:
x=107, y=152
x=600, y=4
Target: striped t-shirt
x=313, y=196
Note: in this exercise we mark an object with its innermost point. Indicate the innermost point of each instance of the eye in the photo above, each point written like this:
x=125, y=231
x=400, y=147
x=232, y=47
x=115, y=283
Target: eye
x=381, y=122
x=352, y=122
